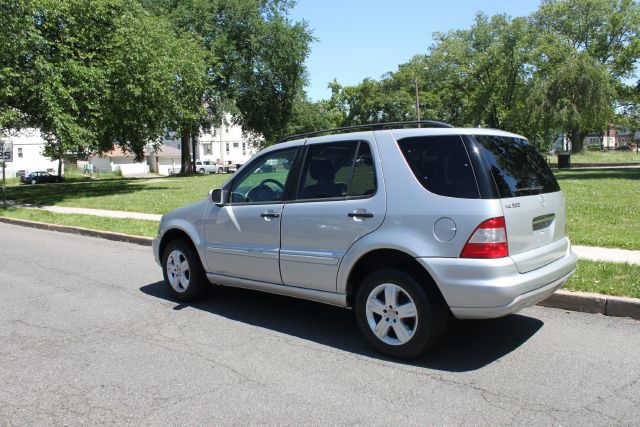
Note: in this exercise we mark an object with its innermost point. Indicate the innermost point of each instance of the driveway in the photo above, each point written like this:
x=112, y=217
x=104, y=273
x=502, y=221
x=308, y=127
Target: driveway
x=88, y=335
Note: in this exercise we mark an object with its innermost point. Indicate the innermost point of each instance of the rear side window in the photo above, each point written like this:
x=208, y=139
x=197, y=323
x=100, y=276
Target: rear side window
x=516, y=167
x=441, y=164
x=338, y=170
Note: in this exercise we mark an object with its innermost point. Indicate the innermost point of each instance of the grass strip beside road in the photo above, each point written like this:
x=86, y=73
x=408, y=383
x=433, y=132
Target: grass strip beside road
x=607, y=278
x=134, y=227
x=591, y=276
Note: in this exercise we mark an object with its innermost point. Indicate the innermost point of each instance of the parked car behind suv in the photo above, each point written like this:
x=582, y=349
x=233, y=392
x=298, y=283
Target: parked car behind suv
x=405, y=226
x=207, y=166
x=39, y=177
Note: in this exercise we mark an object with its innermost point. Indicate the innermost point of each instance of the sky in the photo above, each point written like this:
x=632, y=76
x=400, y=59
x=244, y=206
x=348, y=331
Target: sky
x=357, y=39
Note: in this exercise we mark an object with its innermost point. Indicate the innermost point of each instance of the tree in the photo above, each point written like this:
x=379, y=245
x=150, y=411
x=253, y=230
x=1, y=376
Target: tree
x=256, y=61
x=606, y=30
x=575, y=98
x=92, y=73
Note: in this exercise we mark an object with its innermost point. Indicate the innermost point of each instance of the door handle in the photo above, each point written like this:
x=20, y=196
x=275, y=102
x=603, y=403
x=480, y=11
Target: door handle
x=270, y=215
x=359, y=214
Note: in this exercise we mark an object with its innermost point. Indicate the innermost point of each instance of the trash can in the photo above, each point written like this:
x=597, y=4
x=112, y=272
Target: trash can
x=564, y=160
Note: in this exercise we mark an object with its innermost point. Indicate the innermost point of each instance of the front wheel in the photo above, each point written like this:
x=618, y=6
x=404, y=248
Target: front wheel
x=183, y=273
x=397, y=316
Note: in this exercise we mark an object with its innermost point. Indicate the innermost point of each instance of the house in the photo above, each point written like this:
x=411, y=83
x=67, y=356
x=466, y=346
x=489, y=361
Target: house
x=164, y=161
x=226, y=144
x=28, y=148
x=604, y=139
x=117, y=160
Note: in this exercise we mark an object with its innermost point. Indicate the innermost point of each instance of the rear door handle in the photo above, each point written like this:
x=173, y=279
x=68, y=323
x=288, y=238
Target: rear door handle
x=359, y=214
x=270, y=215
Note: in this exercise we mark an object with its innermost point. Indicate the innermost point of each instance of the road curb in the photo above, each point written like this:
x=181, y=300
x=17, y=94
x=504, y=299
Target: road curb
x=109, y=235
x=566, y=300
x=594, y=303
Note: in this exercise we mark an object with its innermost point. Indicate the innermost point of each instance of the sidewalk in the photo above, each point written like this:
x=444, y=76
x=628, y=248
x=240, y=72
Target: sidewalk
x=584, y=252
x=95, y=212
x=607, y=254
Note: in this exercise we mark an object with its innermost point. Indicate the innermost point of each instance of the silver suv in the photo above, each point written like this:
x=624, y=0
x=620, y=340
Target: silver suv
x=405, y=226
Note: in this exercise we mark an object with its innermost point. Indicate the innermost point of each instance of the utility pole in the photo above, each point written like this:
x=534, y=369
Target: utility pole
x=415, y=81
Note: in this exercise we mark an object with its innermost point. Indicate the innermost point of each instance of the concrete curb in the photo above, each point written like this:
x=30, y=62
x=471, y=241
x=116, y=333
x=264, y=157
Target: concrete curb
x=594, y=303
x=109, y=235
x=565, y=300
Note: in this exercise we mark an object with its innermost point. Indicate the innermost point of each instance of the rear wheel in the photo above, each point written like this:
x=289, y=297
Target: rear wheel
x=398, y=316
x=201, y=171
x=183, y=273
x=33, y=181
x=220, y=170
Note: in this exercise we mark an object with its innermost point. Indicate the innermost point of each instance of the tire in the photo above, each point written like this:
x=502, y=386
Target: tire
x=220, y=170
x=186, y=282
x=416, y=313
x=202, y=171
x=33, y=181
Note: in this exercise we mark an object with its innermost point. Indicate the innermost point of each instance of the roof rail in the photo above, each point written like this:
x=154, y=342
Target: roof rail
x=372, y=126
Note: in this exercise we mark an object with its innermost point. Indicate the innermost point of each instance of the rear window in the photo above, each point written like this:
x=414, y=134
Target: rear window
x=516, y=167
x=441, y=164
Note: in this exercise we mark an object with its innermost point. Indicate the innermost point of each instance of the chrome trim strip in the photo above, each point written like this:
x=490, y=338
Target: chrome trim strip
x=325, y=258
x=250, y=252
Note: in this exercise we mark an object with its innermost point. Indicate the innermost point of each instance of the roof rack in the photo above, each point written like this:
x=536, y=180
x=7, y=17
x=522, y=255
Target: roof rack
x=372, y=126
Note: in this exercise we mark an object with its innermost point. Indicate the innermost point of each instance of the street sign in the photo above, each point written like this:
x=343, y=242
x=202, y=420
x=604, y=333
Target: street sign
x=6, y=151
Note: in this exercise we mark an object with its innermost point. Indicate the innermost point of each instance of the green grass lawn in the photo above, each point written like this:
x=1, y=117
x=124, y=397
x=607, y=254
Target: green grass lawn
x=135, y=227
x=606, y=278
x=157, y=195
x=604, y=157
x=603, y=207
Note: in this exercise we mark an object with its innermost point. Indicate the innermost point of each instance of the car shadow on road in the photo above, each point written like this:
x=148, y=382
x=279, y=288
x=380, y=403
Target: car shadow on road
x=469, y=344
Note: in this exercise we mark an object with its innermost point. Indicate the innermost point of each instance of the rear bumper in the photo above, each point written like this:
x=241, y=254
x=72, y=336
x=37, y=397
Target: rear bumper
x=482, y=289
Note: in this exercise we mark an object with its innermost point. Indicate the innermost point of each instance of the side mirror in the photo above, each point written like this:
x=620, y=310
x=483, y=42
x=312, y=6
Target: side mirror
x=217, y=196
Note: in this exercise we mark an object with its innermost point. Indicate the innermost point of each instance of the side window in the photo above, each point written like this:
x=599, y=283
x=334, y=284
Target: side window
x=441, y=164
x=363, y=182
x=265, y=179
x=327, y=170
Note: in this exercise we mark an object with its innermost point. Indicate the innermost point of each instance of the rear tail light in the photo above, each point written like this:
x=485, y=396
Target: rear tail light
x=489, y=240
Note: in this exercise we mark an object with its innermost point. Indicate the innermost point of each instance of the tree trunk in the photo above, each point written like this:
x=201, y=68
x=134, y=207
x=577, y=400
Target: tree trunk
x=186, y=166
x=60, y=156
x=577, y=141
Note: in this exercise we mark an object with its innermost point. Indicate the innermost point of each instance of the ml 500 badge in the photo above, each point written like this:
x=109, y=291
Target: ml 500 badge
x=512, y=205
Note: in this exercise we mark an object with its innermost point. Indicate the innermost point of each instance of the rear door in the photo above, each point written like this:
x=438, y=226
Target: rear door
x=533, y=205
x=339, y=200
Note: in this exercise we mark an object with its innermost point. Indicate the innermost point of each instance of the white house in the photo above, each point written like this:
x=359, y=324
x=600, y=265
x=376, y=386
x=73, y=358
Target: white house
x=28, y=147
x=225, y=144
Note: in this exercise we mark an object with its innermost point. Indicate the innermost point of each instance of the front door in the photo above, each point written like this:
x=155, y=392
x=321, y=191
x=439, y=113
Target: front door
x=339, y=200
x=243, y=237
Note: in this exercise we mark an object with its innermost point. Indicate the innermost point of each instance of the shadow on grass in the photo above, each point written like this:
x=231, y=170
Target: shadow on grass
x=51, y=194
x=575, y=174
x=469, y=345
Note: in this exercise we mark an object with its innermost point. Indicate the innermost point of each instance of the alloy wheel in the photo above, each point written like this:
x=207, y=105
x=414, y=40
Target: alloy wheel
x=391, y=314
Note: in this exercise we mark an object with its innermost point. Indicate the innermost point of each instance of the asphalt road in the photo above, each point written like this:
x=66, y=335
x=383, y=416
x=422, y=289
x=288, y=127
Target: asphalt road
x=88, y=335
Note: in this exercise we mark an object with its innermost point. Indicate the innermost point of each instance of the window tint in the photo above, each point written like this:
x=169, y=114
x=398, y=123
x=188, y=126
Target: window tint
x=516, y=167
x=363, y=182
x=327, y=170
x=264, y=180
x=441, y=164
